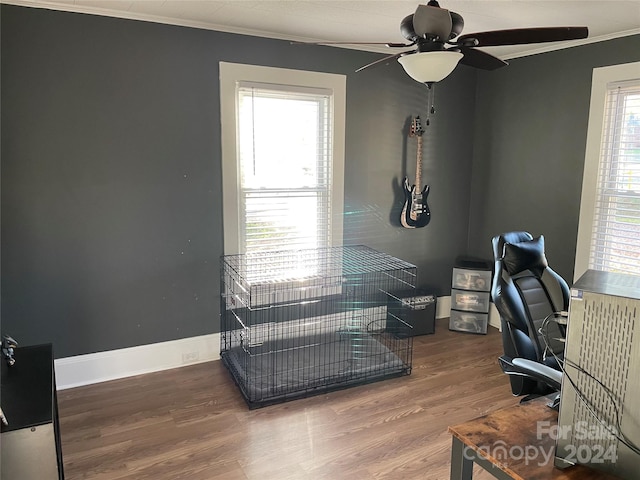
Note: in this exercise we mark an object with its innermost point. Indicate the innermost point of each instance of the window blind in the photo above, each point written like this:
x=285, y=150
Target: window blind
x=615, y=240
x=284, y=136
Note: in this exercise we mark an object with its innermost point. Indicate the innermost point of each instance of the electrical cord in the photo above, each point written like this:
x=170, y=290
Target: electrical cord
x=616, y=431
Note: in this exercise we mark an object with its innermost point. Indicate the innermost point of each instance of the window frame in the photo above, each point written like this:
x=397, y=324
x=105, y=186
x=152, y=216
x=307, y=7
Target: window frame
x=601, y=78
x=231, y=75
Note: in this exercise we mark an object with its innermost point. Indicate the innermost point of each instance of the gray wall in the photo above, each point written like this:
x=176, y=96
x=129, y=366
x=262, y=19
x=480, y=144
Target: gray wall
x=111, y=188
x=530, y=133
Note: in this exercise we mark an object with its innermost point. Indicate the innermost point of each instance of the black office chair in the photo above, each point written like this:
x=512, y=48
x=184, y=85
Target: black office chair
x=529, y=297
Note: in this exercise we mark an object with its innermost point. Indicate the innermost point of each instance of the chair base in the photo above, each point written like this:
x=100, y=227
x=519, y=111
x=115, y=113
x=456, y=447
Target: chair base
x=553, y=403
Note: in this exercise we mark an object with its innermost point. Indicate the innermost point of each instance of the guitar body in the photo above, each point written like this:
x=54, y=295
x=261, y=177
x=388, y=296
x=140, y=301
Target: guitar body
x=415, y=212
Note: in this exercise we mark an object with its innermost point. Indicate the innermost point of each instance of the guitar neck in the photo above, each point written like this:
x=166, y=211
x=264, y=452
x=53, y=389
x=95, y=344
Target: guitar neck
x=419, y=164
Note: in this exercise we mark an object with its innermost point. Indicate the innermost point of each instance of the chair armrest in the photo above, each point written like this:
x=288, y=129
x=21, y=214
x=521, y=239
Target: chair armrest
x=531, y=369
x=539, y=371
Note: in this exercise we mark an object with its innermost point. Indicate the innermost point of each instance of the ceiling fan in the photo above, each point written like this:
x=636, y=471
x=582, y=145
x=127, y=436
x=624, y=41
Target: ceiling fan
x=438, y=47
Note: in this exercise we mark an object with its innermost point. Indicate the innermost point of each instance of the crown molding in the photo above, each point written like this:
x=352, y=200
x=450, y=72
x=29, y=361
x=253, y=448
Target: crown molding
x=575, y=43
x=143, y=17
x=68, y=7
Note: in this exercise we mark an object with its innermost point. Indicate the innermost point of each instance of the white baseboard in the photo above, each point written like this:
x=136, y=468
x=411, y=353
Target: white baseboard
x=126, y=362
x=443, y=307
x=494, y=317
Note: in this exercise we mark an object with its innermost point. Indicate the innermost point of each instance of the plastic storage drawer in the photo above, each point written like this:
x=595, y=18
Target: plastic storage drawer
x=471, y=322
x=470, y=301
x=471, y=279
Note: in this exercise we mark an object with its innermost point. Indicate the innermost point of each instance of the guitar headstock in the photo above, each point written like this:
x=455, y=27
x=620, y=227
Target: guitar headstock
x=416, y=127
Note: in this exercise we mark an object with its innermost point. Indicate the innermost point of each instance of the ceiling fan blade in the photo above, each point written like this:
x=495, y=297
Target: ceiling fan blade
x=432, y=21
x=482, y=60
x=386, y=44
x=519, y=36
x=400, y=45
x=384, y=59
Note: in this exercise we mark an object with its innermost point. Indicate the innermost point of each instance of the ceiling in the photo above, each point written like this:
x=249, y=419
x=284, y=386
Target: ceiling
x=367, y=20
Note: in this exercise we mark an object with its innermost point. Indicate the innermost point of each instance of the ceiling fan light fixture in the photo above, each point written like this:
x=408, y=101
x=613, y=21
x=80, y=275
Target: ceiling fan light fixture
x=430, y=67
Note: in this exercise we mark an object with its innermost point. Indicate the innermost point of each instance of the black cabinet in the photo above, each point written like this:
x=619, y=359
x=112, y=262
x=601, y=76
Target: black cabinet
x=31, y=442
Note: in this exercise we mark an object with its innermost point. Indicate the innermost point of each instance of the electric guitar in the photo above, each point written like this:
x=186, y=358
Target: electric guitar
x=415, y=212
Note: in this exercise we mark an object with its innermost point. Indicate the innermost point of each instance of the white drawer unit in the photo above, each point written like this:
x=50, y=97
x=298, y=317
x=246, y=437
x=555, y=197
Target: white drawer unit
x=470, y=297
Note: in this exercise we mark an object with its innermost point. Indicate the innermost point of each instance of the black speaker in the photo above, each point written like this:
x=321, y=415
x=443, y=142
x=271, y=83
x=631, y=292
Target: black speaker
x=415, y=308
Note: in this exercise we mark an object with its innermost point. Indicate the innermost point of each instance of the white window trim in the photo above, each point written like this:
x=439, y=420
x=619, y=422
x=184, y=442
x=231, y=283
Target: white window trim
x=600, y=79
x=230, y=75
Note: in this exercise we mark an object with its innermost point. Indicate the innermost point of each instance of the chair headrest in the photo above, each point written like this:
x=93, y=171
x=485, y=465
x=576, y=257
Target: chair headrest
x=526, y=255
x=508, y=237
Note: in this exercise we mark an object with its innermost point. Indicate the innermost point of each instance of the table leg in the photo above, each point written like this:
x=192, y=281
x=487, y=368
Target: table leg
x=461, y=465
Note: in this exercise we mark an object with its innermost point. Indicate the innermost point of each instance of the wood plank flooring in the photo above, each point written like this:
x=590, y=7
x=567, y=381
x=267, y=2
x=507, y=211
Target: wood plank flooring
x=192, y=423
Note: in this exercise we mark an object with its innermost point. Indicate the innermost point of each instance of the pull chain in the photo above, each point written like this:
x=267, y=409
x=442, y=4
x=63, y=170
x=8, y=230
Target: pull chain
x=431, y=100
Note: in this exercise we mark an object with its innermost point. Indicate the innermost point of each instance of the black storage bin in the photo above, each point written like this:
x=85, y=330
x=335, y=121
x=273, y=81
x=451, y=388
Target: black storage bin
x=417, y=308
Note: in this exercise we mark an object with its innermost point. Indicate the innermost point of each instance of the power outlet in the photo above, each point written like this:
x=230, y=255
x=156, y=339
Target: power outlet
x=190, y=357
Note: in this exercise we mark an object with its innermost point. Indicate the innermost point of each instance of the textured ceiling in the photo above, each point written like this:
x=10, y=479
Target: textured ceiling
x=367, y=20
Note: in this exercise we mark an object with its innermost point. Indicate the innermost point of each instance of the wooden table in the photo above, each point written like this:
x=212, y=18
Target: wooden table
x=513, y=443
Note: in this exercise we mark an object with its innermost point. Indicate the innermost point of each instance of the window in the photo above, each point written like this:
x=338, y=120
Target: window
x=283, y=144
x=609, y=229
x=285, y=168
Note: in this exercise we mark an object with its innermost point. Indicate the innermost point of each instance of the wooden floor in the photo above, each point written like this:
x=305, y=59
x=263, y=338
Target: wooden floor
x=192, y=423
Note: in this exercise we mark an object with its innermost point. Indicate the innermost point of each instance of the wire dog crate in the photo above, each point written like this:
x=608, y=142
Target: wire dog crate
x=303, y=322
